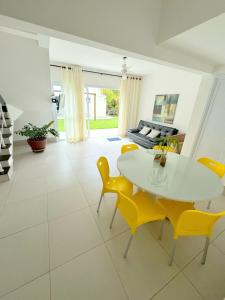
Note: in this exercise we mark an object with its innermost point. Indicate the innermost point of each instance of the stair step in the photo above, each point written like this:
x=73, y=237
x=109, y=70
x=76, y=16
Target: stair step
x=4, y=108
x=6, y=170
x=7, y=146
x=8, y=139
x=6, y=115
x=8, y=130
x=8, y=122
x=4, y=157
x=6, y=175
x=6, y=160
x=7, y=150
x=6, y=135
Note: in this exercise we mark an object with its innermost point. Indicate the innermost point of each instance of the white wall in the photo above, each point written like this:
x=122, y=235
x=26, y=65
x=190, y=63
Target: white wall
x=25, y=79
x=170, y=81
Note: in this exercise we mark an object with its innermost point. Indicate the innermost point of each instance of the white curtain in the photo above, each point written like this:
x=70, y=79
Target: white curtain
x=75, y=124
x=129, y=103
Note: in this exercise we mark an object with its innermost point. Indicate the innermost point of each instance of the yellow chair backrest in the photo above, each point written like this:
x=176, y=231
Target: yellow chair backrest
x=215, y=166
x=128, y=210
x=195, y=222
x=103, y=167
x=129, y=147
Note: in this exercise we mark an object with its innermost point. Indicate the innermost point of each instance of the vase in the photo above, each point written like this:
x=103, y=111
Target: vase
x=163, y=160
x=37, y=145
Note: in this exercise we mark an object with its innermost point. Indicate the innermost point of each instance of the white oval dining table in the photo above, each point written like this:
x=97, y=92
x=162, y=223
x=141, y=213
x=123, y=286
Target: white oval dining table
x=182, y=178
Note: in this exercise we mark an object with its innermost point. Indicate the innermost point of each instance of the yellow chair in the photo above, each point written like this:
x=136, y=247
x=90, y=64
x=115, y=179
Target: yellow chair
x=187, y=221
x=216, y=167
x=111, y=184
x=164, y=148
x=137, y=210
x=129, y=147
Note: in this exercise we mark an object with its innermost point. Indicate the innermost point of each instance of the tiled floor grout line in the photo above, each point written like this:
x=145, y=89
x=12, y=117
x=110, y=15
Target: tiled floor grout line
x=26, y=199
x=160, y=244
x=67, y=214
x=7, y=197
x=185, y=265
x=49, y=252
x=86, y=251
x=180, y=272
x=218, y=249
x=75, y=257
x=195, y=288
x=218, y=235
x=114, y=266
x=179, y=268
x=192, y=259
x=45, y=222
x=50, y=285
x=165, y=285
x=27, y=228
x=117, y=273
x=21, y=286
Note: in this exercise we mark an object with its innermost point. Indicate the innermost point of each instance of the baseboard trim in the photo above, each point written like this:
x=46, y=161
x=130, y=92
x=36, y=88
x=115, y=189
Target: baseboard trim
x=24, y=142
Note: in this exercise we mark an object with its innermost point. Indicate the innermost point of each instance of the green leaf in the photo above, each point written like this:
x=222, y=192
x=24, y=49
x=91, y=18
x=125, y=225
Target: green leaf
x=33, y=132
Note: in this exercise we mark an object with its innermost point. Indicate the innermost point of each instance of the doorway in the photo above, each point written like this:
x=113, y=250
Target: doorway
x=102, y=109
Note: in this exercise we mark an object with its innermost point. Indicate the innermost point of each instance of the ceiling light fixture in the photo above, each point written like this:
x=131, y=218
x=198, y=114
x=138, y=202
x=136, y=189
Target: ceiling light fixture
x=124, y=68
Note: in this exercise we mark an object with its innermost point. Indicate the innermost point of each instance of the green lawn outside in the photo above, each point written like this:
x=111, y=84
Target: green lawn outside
x=94, y=124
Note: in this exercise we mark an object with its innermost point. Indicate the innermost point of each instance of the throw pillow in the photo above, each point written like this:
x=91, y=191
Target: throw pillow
x=153, y=134
x=145, y=130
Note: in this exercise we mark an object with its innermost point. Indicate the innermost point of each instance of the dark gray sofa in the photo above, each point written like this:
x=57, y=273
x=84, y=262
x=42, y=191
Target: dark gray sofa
x=146, y=141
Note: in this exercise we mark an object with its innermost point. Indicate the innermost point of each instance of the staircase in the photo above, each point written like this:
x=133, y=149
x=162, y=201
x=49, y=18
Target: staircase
x=6, y=143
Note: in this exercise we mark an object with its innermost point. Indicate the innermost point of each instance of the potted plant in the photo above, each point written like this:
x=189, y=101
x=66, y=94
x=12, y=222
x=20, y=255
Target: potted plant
x=37, y=136
x=166, y=144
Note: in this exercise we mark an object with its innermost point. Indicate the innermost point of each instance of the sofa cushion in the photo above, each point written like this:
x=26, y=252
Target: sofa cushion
x=153, y=134
x=145, y=130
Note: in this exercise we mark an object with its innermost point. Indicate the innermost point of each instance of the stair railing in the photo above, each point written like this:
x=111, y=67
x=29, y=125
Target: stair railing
x=2, y=143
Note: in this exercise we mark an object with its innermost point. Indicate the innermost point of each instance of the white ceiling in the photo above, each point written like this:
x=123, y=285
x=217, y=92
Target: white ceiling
x=71, y=53
x=206, y=40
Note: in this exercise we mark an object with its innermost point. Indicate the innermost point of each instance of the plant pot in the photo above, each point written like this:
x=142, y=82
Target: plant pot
x=37, y=145
x=163, y=160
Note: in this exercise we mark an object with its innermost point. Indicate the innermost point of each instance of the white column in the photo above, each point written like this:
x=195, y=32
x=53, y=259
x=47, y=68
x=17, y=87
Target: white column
x=198, y=114
x=211, y=138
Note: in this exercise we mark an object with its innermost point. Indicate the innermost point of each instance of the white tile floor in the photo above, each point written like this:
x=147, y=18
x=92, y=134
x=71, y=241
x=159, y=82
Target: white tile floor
x=54, y=246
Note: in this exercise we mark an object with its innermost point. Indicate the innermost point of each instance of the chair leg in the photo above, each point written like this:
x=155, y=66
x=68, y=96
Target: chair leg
x=128, y=246
x=209, y=204
x=100, y=201
x=173, y=253
x=205, y=251
x=114, y=213
x=161, y=229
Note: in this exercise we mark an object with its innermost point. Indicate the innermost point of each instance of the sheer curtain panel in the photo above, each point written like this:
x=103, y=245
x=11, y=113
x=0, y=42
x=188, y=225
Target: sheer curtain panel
x=75, y=124
x=129, y=103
